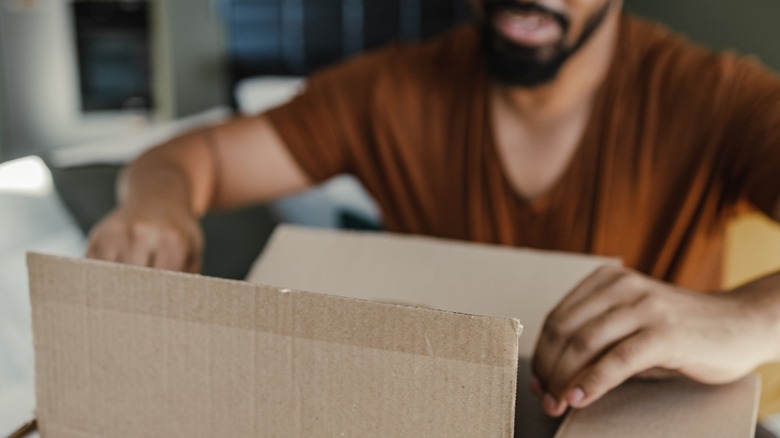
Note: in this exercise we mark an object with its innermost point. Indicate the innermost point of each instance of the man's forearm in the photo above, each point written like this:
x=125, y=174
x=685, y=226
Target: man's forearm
x=164, y=192
x=761, y=300
x=161, y=196
x=180, y=174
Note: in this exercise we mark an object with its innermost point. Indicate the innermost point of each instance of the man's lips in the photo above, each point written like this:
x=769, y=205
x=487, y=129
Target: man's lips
x=527, y=28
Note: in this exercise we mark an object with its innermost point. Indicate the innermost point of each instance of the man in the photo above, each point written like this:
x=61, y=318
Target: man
x=558, y=124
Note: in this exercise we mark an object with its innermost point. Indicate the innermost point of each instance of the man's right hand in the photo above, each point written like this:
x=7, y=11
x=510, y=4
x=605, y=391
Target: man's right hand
x=163, y=193
x=160, y=238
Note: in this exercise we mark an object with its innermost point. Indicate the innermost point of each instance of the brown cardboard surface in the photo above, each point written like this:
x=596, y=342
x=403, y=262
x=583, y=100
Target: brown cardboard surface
x=456, y=276
x=507, y=282
x=669, y=409
x=442, y=274
x=131, y=352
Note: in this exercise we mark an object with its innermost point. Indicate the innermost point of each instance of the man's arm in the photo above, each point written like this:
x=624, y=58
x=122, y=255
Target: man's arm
x=165, y=191
x=618, y=324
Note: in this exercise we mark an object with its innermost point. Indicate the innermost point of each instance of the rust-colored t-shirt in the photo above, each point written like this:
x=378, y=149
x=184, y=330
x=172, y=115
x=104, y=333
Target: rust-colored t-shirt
x=679, y=138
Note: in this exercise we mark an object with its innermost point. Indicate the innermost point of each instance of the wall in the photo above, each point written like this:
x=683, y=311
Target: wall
x=3, y=112
x=189, y=46
x=746, y=26
x=37, y=55
x=41, y=82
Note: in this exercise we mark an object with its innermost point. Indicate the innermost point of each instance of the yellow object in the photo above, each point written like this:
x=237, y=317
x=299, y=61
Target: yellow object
x=753, y=250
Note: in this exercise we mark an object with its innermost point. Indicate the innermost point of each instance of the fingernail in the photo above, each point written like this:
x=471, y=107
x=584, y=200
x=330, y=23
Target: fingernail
x=536, y=386
x=550, y=404
x=576, y=396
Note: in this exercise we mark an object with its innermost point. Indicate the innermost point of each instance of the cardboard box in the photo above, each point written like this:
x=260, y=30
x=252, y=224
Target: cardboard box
x=129, y=352
x=126, y=351
x=502, y=282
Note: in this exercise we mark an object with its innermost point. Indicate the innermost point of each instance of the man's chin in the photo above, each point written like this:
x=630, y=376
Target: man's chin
x=526, y=78
x=521, y=66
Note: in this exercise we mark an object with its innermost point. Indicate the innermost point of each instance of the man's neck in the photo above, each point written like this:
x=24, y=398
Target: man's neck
x=576, y=84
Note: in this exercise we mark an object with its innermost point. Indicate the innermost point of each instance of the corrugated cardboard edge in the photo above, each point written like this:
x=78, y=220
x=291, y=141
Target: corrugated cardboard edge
x=756, y=402
x=37, y=259
x=461, y=276
x=36, y=262
x=282, y=229
x=474, y=278
x=26, y=429
x=570, y=428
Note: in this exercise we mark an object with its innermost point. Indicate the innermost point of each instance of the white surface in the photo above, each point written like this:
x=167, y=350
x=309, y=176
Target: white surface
x=40, y=82
x=32, y=218
x=773, y=424
x=126, y=147
x=255, y=95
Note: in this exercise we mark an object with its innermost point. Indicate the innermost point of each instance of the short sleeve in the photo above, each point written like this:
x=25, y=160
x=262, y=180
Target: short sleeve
x=752, y=135
x=324, y=125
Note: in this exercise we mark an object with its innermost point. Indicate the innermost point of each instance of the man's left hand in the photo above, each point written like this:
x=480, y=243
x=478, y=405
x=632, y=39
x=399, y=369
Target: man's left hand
x=618, y=324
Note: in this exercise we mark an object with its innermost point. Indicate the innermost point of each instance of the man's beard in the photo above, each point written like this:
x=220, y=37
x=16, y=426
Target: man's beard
x=529, y=67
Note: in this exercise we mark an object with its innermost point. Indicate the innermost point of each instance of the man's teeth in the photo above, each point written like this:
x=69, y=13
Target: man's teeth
x=526, y=21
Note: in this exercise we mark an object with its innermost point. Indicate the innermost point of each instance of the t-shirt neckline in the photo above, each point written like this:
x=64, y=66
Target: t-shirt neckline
x=542, y=204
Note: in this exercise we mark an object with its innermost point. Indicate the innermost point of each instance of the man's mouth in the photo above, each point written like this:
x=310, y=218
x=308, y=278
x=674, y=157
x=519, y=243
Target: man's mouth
x=527, y=28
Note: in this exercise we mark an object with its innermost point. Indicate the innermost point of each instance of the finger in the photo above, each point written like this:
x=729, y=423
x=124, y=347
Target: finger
x=629, y=357
x=172, y=253
x=562, y=324
x=536, y=387
x=195, y=260
x=619, y=290
x=100, y=248
x=194, y=265
x=140, y=252
x=658, y=374
x=596, y=280
x=170, y=257
x=138, y=255
x=591, y=341
x=553, y=406
x=99, y=253
x=93, y=251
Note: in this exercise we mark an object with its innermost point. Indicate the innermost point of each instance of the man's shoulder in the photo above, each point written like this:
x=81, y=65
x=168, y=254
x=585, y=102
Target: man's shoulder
x=654, y=54
x=650, y=47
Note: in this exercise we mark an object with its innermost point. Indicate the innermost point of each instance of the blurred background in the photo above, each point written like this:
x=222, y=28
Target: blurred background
x=86, y=86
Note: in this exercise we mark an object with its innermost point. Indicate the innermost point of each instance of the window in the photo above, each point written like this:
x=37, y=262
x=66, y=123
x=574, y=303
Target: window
x=112, y=41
